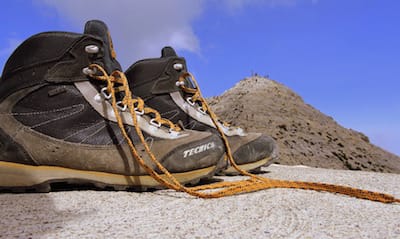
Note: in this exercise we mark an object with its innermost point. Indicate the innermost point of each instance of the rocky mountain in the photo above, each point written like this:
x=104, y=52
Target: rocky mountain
x=304, y=135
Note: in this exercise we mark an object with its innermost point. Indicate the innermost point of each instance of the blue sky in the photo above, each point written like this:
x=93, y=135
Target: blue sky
x=341, y=56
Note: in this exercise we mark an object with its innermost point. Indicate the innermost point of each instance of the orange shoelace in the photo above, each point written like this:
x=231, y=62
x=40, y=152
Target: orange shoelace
x=117, y=82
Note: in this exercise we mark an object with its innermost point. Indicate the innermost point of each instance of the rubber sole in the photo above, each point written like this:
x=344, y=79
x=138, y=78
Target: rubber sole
x=249, y=167
x=26, y=178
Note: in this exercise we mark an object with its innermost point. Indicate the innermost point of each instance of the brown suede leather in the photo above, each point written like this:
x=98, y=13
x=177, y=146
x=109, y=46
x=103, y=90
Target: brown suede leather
x=45, y=150
x=236, y=141
x=155, y=80
x=48, y=120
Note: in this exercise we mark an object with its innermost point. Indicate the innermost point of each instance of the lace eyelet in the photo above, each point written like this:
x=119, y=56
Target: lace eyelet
x=173, y=132
x=92, y=49
x=121, y=106
x=87, y=71
x=240, y=131
x=178, y=66
x=139, y=112
x=190, y=101
x=201, y=110
x=155, y=123
x=98, y=98
x=107, y=96
x=179, y=83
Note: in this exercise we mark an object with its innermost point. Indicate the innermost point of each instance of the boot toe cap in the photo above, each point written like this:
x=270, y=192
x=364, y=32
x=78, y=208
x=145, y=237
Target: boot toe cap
x=260, y=148
x=203, y=153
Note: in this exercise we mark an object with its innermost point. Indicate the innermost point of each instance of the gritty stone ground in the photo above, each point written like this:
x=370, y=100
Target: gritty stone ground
x=273, y=213
x=304, y=135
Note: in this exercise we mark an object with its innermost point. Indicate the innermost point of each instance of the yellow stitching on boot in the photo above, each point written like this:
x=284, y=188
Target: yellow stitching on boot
x=111, y=46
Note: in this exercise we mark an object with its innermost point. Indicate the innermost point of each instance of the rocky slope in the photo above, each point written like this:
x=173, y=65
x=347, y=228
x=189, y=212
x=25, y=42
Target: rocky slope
x=304, y=135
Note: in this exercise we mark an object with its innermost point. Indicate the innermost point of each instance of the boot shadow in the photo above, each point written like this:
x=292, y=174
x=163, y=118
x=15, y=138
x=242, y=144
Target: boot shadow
x=33, y=215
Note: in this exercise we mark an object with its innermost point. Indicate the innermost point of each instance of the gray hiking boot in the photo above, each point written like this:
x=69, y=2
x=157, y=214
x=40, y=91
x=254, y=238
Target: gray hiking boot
x=161, y=82
x=57, y=124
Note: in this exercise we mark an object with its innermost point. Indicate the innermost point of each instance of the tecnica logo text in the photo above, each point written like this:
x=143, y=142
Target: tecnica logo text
x=198, y=149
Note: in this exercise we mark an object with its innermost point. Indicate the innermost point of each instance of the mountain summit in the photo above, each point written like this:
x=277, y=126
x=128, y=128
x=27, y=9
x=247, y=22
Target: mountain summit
x=304, y=135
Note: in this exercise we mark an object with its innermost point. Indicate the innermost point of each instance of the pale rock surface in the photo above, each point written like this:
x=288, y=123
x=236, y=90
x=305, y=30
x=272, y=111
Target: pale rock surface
x=273, y=213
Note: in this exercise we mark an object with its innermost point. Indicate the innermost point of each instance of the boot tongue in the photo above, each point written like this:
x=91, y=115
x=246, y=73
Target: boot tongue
x=168, y=52
x=100, y=30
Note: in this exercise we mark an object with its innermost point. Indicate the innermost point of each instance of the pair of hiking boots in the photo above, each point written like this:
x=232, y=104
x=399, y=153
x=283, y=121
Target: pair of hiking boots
x=67, y=115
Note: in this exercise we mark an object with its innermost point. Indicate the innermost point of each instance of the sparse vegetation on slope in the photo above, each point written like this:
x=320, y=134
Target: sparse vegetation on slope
x=304, y=135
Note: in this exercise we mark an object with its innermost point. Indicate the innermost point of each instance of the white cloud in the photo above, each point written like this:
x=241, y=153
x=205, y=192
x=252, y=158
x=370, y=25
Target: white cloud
x=235, y=5
x=139, y=28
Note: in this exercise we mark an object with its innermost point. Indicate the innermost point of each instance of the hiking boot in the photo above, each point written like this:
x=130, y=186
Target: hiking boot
x=58, y=123
x=165, y=85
